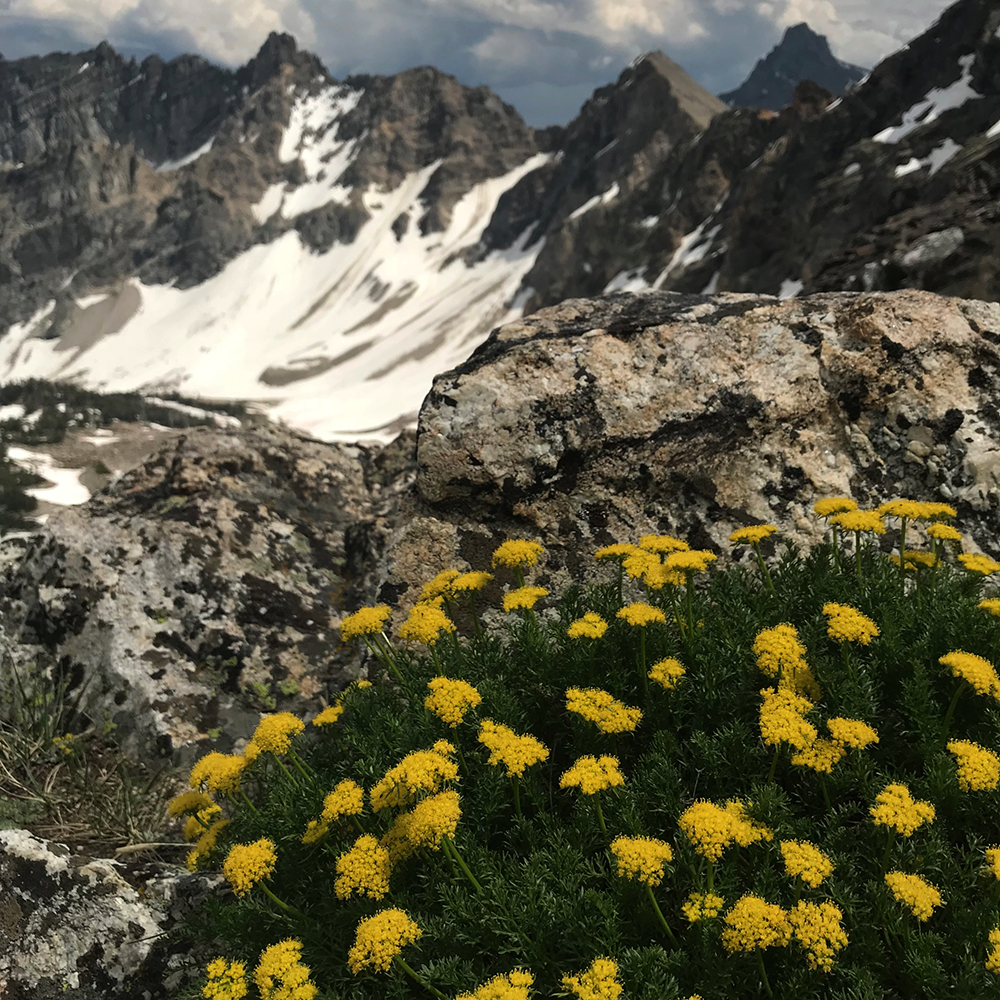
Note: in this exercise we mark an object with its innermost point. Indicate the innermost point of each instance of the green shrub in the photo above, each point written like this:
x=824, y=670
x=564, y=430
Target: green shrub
x=791, y=751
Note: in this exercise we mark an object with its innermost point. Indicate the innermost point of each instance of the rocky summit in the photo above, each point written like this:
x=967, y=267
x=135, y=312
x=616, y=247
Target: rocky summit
x=801, y=55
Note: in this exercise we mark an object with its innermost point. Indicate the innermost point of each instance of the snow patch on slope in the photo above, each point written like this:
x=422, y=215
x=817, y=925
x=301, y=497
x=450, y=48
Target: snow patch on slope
x=185, y=160
x=66, y=489
x=598, y=199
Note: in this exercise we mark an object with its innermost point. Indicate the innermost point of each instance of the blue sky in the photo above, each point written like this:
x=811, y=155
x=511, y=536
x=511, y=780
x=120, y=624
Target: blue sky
x=543, y=56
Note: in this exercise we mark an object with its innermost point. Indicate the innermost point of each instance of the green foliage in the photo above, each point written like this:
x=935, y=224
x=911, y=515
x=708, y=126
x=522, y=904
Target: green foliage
x=551, y=899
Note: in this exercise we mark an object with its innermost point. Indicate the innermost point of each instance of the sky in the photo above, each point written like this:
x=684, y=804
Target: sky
x=546, y=57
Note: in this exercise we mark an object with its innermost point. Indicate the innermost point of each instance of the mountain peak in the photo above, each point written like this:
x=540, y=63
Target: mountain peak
x=691, y=97
x=802, y=54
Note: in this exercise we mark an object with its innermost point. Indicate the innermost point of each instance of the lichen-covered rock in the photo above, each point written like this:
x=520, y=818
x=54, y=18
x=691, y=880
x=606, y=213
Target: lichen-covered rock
x=89, y=929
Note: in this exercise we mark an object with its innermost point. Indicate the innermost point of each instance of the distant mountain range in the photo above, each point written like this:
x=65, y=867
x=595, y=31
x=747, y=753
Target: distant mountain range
x=323, y=248
x=801, y=55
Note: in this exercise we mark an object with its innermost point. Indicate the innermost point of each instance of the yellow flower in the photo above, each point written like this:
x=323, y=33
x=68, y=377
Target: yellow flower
x=781, y=654
x=847, y=624
x=895, y=807
x=506, y=747
x=516, y=553
x=918, y=558
x=363, y=870
x=432, y=818
x=834, y=505
x=993, y=958
x=976, y=563
x=806, y=861
x=663, y=544
x=598, y=982
x=993, y=861
x=189, y=802
x=753, y=923
x=470, y=582
x=219, y=772
x=248, y=864
x=280, y=974
x=667, y=673
x=274, y=732
x=992, y=605
x=641, y=614
x=426, y=624
x=617, y=551
x=450, y=699
x=379, y=939
x=590, y=626
x=640, y=563
x=523, y=598
x=421, y=770
x=817, y=927
x=347, y=799
x=978, y=768
x=974, y=670
x=944, y=532
x=859, y=520
x=197, y=824
x=440, y=586
x=821, y=756
x=912, y=509
x=702, y=906
x=605, y=711
x=782, y=719
x=641, y=858
x=592, y=775
x=329, y=715
x=226, y=980
x=752, y=534
x=711, y=828
x=515, y=985
x=852, y=732
x=695, y=561
x=915, y=892
x=206, y=844
x=366, y=621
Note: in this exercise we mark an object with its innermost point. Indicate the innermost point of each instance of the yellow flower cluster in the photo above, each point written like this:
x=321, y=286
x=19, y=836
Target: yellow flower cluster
x=424, y=825
x=469, y=582
x=274, y=732
x=915, y=892
x=605, y=711
x=993, y=861
x=450, y=699
x=515, y=985
x=702, y=906
x=248, y=864
x=206, y=842
x=329, y=715
x=782, y=719
x=598, y=982
x=753, y=534
x=619, y=550
x=663, y=544
x=200, y=822
x=667, y=673
x=974, y=670
x=218, y=772
x=978, y=768
x=806, y=861
x=869, y=521
x=363, y=870
x=992, y=605
x=944, y=532
x=695, y=561
x=421, y=770
x=426, y=623
x=506, y=747
x=915, y=509
x=347, y=799
x=711, y=828
x=226, y=980
x=993, y=958
x=976, y=563
x=818, y=928
x=515, y=553
x=523, y=598
x=280, y=974
x=821, y=756
x=366, y=621
x=852, y=733
x=753, y=923
x=439, y=586
x=780, y=653
x=847, y=624
x=189, y=802
x=590, y=626
x=380, y=938
x=833, y=505
x=896, y=807
x=593, y=774
x=641, y=858
x=640, y=614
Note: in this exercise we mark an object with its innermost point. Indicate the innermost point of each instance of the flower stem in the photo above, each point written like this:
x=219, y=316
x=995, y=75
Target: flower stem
x=763, y=973
x=517, y=796
x=414, y=975
x=288, y=774
x=774, y=763
x=243, y=796
x=449, y=845
x=299, y=766
x=902, y=551
x=690, y=606
x=951, y=710
x=437, y=662
x=600, y=812
x=711, y=875
x=826, y=794
x=836, y=550
x=888, y=848
x=662, y=918
x=642, y=659
x=857, y=554
x=763, y=567
x=283, y=905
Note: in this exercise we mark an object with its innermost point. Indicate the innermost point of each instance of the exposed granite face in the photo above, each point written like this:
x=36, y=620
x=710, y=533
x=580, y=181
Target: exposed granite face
x=90, y=929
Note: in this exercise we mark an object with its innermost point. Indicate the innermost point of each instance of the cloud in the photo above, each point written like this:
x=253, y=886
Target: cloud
x=543, y=56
